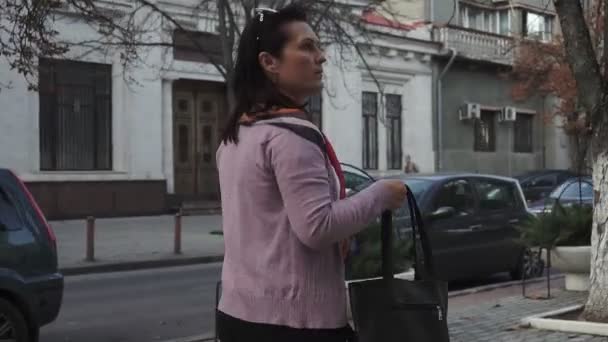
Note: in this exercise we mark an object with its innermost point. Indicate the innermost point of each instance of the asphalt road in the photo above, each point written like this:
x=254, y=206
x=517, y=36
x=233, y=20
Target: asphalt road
x=151, y=305
x=139, y=306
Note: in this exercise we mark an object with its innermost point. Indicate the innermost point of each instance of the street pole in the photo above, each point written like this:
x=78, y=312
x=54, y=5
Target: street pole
x=177, y=234
x=90, y=239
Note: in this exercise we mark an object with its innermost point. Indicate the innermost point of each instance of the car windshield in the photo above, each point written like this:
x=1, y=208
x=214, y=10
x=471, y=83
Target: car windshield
x=573, y=190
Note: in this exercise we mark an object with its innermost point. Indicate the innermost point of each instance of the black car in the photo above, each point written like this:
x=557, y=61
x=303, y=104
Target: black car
x=471, y=222
x=31, y=288
x=537, y=185
x=573, y=191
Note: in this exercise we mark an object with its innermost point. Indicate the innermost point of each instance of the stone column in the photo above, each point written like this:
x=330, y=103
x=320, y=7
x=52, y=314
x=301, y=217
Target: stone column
x=167, y=129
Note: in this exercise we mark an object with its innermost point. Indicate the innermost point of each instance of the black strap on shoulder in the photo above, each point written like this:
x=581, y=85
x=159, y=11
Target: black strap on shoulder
x=307, y=133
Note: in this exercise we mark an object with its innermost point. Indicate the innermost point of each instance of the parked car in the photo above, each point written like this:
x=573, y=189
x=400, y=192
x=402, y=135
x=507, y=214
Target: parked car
x=573, y=191
x=31, y=288
x=471, y=222
x=354, y=177
x=537, y=185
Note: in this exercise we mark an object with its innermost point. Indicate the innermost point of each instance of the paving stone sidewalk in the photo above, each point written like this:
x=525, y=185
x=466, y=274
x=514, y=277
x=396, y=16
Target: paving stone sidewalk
x=131, y=241
x=499, y=320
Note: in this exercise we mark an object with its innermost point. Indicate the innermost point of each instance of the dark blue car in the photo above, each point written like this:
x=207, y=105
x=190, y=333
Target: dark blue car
x=576, y=190
x=31, y=287
x=471, y=223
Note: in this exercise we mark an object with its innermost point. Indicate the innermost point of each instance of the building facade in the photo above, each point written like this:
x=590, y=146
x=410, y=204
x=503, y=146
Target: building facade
x=478, y=125
x=107, y=139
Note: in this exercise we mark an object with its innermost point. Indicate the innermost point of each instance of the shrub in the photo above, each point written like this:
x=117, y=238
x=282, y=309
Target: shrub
x=563, y=226
x=366, y=262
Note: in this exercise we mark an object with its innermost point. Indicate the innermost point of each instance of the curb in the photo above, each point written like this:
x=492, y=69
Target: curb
x=486, y=288
x=196, y=338
x=138, y=265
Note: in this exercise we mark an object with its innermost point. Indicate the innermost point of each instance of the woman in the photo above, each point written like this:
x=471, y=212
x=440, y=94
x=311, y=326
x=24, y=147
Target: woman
x=282, y=190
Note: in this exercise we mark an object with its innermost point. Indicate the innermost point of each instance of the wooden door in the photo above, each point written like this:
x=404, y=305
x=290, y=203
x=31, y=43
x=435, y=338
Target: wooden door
x=184, y=139
x=209, y=106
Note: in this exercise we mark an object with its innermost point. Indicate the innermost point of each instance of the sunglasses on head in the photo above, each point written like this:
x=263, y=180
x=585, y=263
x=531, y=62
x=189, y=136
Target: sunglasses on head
x=260, y=12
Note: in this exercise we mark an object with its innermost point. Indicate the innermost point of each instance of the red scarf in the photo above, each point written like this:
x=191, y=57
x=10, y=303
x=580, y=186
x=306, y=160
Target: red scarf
x=247, y=119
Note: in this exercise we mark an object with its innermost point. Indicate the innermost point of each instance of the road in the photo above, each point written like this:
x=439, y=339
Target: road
x=140, y=306
x=151, y=305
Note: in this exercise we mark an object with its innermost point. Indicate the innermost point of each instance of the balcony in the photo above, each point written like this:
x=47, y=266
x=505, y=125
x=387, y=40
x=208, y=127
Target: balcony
x=476, y=45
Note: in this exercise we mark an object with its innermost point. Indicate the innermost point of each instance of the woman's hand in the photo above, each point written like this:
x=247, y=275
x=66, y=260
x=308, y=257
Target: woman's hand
x=396, y=192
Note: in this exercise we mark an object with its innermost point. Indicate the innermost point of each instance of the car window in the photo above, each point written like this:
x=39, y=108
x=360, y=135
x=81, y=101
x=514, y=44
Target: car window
x=457, y=194
x=9, y=213
x=27, y=214
x=544, y=181
x=574, y=190
x=496, y=195
x=353, y=180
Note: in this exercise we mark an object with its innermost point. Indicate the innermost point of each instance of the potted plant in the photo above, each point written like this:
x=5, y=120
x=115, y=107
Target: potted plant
x=566, y=232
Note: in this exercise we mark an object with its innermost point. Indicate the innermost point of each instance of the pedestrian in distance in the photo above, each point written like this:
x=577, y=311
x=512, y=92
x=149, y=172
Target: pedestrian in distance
x=285, y=213
x=410, y=166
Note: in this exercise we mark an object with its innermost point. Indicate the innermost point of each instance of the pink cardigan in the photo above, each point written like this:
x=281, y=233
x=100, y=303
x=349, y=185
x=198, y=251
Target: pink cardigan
x=282, y=222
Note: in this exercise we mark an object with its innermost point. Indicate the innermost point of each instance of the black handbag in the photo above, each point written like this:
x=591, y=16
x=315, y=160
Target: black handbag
x=396, y=310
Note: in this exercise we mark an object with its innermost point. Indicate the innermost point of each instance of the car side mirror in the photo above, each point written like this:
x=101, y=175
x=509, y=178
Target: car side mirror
x=442, y=213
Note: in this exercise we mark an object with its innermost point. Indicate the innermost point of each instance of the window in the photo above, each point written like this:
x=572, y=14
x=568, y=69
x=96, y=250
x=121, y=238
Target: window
x=522, y=131
x=485, y=138
x=315, y=109
x=75, y=116
x=537, y=26
x=9, y=214
x=370, y=130
x=487, y=20
x=504, y=23
x=457, y=194
x=393, y=120
x=203, y=47
x=574, y=191
x=544, y=181
x=472, y=17
x=495, y=194
x=353, y=180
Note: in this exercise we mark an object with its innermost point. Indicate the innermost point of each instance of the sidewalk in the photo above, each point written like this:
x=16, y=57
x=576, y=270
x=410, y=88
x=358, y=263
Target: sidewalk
x=495, y=316
x=137, y=242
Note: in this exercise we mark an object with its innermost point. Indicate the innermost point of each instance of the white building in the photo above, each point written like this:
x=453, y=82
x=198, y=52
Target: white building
x=93, y=141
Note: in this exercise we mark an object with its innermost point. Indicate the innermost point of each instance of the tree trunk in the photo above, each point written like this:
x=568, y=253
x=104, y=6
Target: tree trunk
x=596, y=308
x=590, y=87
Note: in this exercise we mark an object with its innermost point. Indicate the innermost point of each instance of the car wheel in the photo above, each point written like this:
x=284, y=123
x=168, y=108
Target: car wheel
x=530, y=265
x=13, y=326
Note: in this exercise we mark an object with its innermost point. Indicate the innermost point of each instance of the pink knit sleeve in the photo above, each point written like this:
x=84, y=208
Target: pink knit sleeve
x=301, y=173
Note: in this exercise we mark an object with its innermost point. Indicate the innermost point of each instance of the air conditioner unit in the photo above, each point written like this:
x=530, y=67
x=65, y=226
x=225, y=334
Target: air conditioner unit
x=470, y=111
x=508, y=114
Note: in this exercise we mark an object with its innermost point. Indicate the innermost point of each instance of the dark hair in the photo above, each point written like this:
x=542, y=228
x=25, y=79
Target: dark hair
x=250, y=84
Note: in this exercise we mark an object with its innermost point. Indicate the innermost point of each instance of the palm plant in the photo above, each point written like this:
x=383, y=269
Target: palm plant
x=563, y=226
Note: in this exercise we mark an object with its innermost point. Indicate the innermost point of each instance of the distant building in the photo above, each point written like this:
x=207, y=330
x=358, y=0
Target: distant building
x=478, y=126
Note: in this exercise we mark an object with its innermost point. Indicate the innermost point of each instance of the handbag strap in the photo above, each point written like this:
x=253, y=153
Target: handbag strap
x=423, y=265
x=423, y=256
x=386, y=224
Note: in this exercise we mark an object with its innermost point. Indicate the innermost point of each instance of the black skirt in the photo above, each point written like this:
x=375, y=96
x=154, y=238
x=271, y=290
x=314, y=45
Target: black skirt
x=231, y=329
